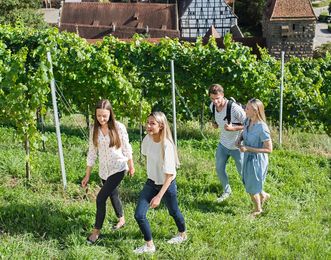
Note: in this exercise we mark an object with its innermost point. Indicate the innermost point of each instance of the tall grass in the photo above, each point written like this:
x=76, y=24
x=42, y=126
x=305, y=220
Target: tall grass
x=39, y=220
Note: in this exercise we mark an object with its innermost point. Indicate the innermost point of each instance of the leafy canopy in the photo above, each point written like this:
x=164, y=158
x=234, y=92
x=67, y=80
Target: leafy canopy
x=23, y=11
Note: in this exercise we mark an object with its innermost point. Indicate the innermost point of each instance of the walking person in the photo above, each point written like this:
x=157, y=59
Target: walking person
x=109, y=140
x=229, y=132
x=256, y=146
x=162, y=160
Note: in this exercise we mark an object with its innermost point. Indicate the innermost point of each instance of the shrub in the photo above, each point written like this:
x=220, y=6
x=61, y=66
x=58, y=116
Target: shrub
x=321, y=50
x=323, y=16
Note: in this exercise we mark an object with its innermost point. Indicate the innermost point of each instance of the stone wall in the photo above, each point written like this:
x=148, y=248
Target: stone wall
x=296, y=38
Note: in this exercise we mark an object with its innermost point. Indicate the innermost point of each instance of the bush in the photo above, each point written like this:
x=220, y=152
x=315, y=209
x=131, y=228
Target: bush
x=323, y=17
x=329, y=27
x=321, y=50
x=320, y=3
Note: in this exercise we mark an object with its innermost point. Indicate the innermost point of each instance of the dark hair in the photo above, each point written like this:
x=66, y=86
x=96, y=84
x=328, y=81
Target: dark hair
x=215, y=89
x=113, y=132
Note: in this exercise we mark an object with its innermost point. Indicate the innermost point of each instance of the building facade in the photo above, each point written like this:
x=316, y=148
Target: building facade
x=289, y=26
x=197, y=16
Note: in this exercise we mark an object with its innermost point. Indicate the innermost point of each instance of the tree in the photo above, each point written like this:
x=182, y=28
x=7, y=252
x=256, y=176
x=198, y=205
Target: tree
x=25, y=11
x=250, y=12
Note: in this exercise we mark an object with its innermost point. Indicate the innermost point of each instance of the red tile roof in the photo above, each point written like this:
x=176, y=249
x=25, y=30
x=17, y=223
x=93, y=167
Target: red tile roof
x=289, y=10
x=122, y=14
x=212, y=32
x=123, y=20
x=98, y=32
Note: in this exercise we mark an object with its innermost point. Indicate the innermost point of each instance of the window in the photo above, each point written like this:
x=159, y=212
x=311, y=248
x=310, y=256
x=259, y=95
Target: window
x=284, y=31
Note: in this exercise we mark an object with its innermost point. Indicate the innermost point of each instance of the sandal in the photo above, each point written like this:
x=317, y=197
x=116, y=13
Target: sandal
x=117, y=226
x=90, y=239
x=265, y=198
x=256, y=213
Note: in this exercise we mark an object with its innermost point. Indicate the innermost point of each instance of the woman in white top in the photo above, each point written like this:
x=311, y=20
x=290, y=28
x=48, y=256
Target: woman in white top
x=109, y=140
x=162, y=160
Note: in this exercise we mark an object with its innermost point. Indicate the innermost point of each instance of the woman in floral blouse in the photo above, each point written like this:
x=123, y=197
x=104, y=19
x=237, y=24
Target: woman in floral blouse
x=109, y=140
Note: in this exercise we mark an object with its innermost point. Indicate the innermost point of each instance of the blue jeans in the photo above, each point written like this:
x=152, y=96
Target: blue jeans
x=149, y=191
x=222, y=156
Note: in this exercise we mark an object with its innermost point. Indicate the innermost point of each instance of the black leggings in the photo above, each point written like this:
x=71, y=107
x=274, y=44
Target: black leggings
x=109, y=189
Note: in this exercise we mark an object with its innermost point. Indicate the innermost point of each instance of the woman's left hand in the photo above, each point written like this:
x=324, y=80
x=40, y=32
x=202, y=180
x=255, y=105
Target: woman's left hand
x=131, y=167
x=155, y=202
x=131, y=170
x=243, y=149
x=229, y=127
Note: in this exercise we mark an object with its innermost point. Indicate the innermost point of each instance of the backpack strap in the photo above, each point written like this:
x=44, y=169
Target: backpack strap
x=214, y=109
x=212, y=114
x=228, y=111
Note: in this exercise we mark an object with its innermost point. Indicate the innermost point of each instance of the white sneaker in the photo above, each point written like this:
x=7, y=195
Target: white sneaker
x=223, y=197
x=177, y=239
x=145, y=249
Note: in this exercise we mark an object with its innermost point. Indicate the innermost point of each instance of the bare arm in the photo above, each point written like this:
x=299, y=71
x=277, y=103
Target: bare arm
x=87, y=176
x=267, y=148
x=91, y=157
x=131, y=167
x=127, y=149
x=232, y=127
x=157, y=199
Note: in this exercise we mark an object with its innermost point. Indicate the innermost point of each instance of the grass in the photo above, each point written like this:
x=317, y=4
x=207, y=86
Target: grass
x=39, y=220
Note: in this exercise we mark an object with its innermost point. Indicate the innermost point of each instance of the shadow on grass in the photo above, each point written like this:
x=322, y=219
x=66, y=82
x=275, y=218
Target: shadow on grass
x=204, y=198
x=45, y=220
x=108, y=239
x=128, y=195
x=210, y=206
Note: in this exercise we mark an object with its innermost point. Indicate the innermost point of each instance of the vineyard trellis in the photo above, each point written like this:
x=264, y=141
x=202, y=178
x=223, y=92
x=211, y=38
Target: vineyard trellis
x=135, y=76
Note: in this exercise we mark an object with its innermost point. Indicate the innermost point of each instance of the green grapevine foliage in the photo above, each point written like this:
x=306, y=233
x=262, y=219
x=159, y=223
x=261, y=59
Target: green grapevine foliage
x=135, y=76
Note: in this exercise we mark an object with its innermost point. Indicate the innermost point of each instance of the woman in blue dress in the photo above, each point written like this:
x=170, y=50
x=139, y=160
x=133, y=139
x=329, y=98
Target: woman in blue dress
x=256, y=146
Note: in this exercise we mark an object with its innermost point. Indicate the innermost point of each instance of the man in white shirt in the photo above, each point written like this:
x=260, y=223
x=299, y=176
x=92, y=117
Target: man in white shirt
x=229, y=132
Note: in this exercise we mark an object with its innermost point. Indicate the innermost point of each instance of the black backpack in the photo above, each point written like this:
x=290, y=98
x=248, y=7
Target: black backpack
x=228, y=111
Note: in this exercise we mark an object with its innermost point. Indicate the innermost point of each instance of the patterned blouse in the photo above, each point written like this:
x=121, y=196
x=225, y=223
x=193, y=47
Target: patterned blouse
x=111, y=159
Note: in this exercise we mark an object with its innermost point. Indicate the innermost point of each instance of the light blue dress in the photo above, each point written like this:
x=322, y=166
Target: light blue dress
x=255, y=165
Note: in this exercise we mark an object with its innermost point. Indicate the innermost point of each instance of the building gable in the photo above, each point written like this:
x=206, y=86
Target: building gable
x=293, y=9
x=197, y=16
x=289, y=26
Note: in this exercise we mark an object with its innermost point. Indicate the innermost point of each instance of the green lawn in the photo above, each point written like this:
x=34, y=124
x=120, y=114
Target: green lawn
x=40, y=221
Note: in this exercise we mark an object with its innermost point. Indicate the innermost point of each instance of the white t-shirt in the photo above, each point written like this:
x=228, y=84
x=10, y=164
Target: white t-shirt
x=157, y=166
x=238, y=115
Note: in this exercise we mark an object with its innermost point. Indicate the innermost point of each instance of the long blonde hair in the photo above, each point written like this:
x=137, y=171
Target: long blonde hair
x=165, y=133
x=258, y=106
x=113, y=132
